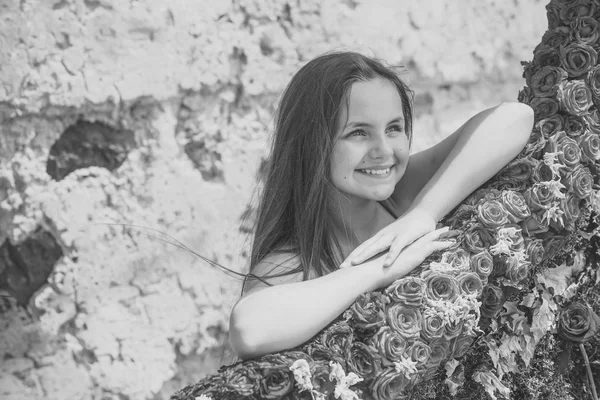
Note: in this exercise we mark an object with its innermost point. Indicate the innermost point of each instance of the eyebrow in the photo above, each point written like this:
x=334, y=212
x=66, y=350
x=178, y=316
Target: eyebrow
x=366, y=124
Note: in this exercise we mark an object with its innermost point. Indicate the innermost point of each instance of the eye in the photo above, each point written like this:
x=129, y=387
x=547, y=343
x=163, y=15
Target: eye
x=396, y=128
x=358, y=132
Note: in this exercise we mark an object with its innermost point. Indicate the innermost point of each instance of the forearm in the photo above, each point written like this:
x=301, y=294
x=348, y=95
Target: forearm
x=285, y=316
x=487, y=142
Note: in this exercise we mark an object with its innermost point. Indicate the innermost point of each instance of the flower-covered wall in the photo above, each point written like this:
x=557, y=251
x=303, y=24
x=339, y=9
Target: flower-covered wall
x=157, y=114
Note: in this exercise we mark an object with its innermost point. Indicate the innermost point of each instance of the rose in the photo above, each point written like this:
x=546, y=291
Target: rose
x=408, y=291
x=404, y=320
x=432, y=326
x=526, y=94
x=332, y=344
x=536, y=223
x=363, y=361
x=440, y=351
x=542, y=173
x=492, y=299
x=538, y=197
x=553, y=15
x=574, y=125
x=592, y=120
x=533, y=147
x=518, y=172
x=579, y=8
x=516, y=206
x=574, y=97
x=492, y=214
x=319, y=371
x=453, y=329
x=546, y=56
x=469, y=283
x=567, y=148
x=572, y=209
x=543, y=107
x=517, y=271
x=549, y=126
x=556, y=37
x=389, y=385
x=482, y=263
x=368, y=311
x=419, y=352
x=590, y=147
x=534, y=250
x=585, y=30
x=389, y=344
x=457, y=258
x=593, y=81
x=577, y=59
x=276, y=382
x=461, y=345
x=577, y=323
x=477, y=238
x=580, y=181
x=440, y=286
x=545, y=82
x=242, y=379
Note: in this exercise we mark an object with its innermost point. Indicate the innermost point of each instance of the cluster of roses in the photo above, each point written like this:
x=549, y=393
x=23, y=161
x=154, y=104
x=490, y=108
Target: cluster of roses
x=389, y=340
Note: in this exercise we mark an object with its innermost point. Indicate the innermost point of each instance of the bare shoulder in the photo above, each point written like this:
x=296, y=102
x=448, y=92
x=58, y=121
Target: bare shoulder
x=276, y=268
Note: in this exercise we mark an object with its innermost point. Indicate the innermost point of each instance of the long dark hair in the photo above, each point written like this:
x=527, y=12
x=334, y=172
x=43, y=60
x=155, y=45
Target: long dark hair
x=293, y=211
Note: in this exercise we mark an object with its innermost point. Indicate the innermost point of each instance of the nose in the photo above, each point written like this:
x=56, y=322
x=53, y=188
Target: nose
x=381, y=148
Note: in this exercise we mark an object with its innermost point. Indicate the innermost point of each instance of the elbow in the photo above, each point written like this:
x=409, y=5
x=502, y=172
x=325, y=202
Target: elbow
x=241, y=337
x=522, y=118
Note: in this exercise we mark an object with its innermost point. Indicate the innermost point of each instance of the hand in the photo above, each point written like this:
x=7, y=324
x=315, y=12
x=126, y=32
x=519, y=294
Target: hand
x=396, y=236
x=414, y=254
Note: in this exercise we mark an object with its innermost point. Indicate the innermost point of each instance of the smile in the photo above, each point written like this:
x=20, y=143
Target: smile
x=376, y=172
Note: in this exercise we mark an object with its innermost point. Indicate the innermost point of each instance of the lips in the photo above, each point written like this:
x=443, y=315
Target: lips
x=377, y=171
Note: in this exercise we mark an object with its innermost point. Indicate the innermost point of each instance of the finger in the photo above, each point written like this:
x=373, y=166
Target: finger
x=395, y=249
x=368, y=250
x=434, y=235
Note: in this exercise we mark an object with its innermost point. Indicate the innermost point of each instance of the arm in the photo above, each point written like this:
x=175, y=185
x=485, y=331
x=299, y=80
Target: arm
x=442, y=176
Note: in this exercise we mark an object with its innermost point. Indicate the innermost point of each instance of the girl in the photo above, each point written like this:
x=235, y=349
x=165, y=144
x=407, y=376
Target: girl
x=338, y=173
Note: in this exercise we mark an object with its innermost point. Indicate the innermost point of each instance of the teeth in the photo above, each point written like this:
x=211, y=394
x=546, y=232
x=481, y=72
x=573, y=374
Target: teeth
x=377, y=171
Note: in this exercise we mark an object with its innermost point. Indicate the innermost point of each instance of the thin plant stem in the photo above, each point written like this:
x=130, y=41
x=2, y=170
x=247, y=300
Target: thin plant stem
x=589, y=371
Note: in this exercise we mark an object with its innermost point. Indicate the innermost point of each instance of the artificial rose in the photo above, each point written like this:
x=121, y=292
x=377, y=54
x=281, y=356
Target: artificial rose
x=432, y=326
x=577, y=59
x=543, y=107
x=538, y=197
x=408, y=291
x=590, y=147
x=492, y=299
x=576, y=9
x=575, y=125
x=549, y=126
x=453, y=328
x=542, y=173
x=368, y=311
x=517, y=173
x=574, y=97
x=492, y=214
x=458, y=258
x=242, y=379
x=390, y=345
x=546, y=56
x=333, y=343
x=569, y=153
x=419, y=352
x=482, y=264
x=389, y=385
x=470, y=284
x=545, y=82
x=577, y=323
x=571, y=207
x=276, y=382
x=440, y=351
x=461, y=345
x=440, y=286
x=517, y=271
x=580, y=181
x=363, y=361
x=516, y=205
x=477, y=238
x=534, y=250
x=404, y=320
x=592, y=120
x=585, y=30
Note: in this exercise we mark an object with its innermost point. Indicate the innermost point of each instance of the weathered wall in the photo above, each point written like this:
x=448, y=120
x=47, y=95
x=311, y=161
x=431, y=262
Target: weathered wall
x=156, y=113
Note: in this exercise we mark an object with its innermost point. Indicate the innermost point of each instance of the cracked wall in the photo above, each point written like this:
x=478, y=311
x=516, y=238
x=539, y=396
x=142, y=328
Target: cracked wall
x=156, y=114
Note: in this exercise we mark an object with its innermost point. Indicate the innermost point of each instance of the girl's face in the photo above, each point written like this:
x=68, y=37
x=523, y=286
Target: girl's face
x=372, y=148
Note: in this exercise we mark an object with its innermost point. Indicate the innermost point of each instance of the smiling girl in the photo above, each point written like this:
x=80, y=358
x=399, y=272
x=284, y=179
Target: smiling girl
x=340, y=173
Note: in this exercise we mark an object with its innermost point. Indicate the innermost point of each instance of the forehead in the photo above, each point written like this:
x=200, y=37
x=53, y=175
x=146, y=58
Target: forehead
x=371, y=100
